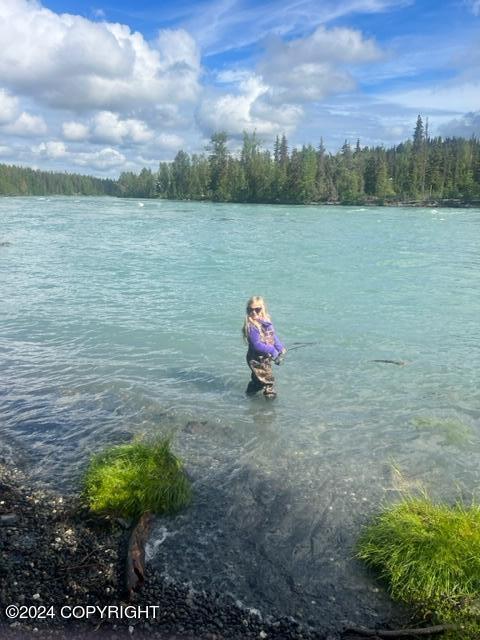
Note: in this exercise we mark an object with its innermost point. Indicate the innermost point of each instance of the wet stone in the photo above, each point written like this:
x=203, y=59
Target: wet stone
x=8, y=519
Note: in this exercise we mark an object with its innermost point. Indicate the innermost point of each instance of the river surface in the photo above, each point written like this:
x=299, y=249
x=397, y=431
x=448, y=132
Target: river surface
x=123, y=317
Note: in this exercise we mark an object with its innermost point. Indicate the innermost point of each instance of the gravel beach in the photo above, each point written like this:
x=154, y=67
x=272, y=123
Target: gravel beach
x=57, y=559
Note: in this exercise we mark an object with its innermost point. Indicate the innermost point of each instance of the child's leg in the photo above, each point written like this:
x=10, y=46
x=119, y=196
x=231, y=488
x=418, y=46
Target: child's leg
x=269, y=387
x=254, y=385
x=262, y=377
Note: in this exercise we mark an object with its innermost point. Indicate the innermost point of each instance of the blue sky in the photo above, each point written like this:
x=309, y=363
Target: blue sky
x=114, y=86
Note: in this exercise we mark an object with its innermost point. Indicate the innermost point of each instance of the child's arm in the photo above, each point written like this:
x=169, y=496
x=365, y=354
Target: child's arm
x=279, y=346
x=261, y=347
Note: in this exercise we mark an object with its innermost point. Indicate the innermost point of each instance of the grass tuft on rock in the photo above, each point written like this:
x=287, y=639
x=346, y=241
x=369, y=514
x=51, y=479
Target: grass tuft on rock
x=429, y=555
x=127, y=480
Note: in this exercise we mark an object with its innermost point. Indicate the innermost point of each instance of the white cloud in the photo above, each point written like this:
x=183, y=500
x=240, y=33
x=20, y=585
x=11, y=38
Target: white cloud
x=142, y=161
x=290, y=74
x=169, y=141
x=108, y=127
x=168, y=115
x=465, y=127
x=309, y=69
x=5, y=151
x=137, y=131
x=52, y=149
x=231, y=76
x=178, y=50
x=70, y=62
x=323, y=45
x=311, y=83
x=103, y=160
x=454, y=97
x=75, y=131
x=27, y=125
x=8, y=107
x=247, y=110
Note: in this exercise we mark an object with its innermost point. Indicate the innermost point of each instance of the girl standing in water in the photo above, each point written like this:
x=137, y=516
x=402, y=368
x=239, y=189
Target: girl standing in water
x=263, y=347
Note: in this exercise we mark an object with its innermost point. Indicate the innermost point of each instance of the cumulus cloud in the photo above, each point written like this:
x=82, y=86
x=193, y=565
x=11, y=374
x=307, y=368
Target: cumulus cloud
x=103, y=160
x=290, y=75
x=8, y=107
x=52, y=149
x=169, y=141
x=109, y=127
x=27, y=125
x=465, y=126
x=309, y=69
x=68, y=61
x=247, y=110
x=167, y=115
x=75, y=131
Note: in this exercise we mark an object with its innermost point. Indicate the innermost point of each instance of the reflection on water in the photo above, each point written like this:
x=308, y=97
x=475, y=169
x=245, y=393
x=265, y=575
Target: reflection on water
x=121, y=320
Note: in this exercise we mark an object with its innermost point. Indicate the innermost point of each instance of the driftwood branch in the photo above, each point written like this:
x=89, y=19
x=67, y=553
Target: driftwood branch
x=399, y=633
x=135, y=570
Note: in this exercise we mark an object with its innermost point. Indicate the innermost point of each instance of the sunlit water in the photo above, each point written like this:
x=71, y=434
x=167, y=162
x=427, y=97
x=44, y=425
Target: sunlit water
x=119, y=319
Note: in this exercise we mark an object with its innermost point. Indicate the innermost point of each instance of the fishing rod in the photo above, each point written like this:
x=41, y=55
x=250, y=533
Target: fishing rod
x=295, y=345
x=300, y=345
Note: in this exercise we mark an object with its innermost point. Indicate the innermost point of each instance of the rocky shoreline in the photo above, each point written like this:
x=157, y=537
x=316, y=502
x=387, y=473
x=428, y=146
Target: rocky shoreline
x=56, y=559
x=63, y=575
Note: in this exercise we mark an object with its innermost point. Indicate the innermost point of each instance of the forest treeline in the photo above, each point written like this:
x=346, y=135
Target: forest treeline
x=22, y=181
x=422, y=169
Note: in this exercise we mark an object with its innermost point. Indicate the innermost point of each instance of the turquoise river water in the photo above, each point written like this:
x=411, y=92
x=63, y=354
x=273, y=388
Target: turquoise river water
x=122, y=317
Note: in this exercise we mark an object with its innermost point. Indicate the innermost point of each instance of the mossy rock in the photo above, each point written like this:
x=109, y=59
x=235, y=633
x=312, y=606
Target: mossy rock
x=129, y=479
x=429, y=556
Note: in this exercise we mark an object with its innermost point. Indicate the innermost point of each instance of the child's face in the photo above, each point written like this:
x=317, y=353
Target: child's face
x=255, y=311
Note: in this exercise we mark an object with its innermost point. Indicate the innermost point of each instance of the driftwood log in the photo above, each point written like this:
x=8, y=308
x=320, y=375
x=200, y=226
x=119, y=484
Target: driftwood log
x=135, y=570
x=403, y=633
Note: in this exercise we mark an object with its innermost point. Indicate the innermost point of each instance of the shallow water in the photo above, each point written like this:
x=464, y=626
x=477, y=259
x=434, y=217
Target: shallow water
x=118, y=319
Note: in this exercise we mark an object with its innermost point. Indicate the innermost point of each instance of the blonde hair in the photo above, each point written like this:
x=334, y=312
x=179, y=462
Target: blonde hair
x=254, y=301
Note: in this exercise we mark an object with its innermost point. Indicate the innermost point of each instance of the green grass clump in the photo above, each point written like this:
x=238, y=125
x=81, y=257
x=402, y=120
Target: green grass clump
x=429, y=555
x=129, y=479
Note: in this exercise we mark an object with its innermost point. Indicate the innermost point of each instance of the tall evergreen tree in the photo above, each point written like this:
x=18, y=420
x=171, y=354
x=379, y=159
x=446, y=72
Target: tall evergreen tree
x=218, y=161
x=419, y=160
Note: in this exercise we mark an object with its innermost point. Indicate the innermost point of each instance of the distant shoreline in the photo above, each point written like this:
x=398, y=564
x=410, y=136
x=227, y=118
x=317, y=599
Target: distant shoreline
x=421, y=171
x=447, y=203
